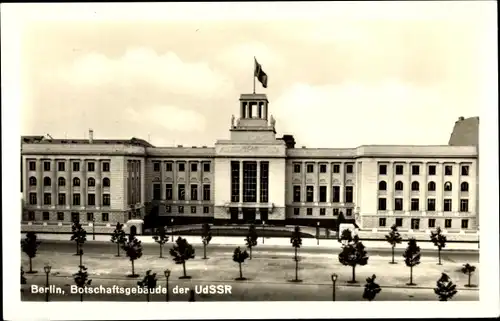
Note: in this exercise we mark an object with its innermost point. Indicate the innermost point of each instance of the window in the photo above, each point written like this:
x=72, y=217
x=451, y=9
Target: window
x=76, y=166
x=168, y=209
x=382, y=186
x=447, y=187
x=398, y=186
x=296, y=193
x=235, y=181
x=105, y=167
x=415, y=170
x=156, y=192
x=61, y=199
x=399, y=170
x=91, y=199
x=90, y=166
x=398, y=204
x=414, y=204
x=181, y=167
x=431, y=187
x=32, y=166
x=46, y=166
x=33, y=199
x=432, y=170
x=61, y=181
x=91, y=182
x=76, y=199
x=47, y=198
x=61, y=166
x=156, y=167
x=448, y=170
x=194, y=192
x=465, y=224
x=168, y=192
x=464, y=187
x=431, y=204
x=206, y=210
x=310, y=168
x=348, y=212
x=60, y=216
x=31, y=216
x=348, y=194
x=181, y=209
x=264, y=182
x=76, y=181
x=296, y=211
x=193, y=209
x=399, y=222
x=349, y=169
x=431, y=223
x=168, y=167
x=206, y=167
x=309, y=211
x=322, y=194
x=382, y=204
x=296, y=168
x=322, y=211
x=47, y=181
x=447, y=223
x=105, y=217
x=464, y=205
x=465, y=170
x=447, y=205
x=336, y=168
x=32, y=181
x=336, y=194
x=106, y=182
x=46, y=216
x=322, y=168
x=381, y=222
x=382, y=170
x=90, y=217
x=194, y=167
x=75, y=217
x=181, y=192
x=415, y=224
x=309, y=194
x=250, y=182
x=335, y=211
x=415, y=186
x=106, y=200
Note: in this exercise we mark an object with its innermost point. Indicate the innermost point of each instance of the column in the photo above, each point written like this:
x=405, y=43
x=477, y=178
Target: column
x=39, y=182
x=439, y=188
x=162, y=180
x=83, y=185
x=54, y=186
x=407, y=188
x=188, y=182
x=423, y=188
x=258, y=182
x=342, y=182
x=142, y=181
x=316, y=185
x=329, y=182
x=98, y=184
x=69, y=183
x=175, y=193
x=390, y=187
x=455, y=200
x=303, y=193
x=241, y=181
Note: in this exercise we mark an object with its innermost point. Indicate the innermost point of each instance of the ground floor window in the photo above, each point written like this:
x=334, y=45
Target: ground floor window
x=296, y=211
x=415, y=224
x=31, y=216
x=90, y=217
x=193, y=209
x=181, y=209
x=447, y=223
x=206, y=209
x=75, y=217
x=381, y=222
x=60, y=216
x=105, y=217
x=309, y=211
x=46, y=216
x=322, y=211
x=465, y=223
x=399, y=222
x=432, y=223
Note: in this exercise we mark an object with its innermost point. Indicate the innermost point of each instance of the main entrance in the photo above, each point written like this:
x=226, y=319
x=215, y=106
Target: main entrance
x=249, y=215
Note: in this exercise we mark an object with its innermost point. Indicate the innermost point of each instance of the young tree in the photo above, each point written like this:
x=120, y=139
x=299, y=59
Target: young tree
x=119, y=237
x=148, y=283
x=29, y=245
x=468, y=269
x=206, y=237
x=412, y=257
x=353, y=253
x=251, y=238
x=346, y=237
x=439, y=240
x=133, y=249
x=296, y=241
x=181, y=252
x=371, y=289
x=445, y=288
x=240, y=257
x=161, y=238
x=82, y=280
x=393, y=238
x=79, y=236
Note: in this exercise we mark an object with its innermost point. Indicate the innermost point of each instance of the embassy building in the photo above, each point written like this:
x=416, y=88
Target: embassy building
x=253, y=176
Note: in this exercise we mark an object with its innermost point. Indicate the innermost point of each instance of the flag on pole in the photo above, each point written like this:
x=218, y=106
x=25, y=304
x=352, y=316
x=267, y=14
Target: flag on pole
x=260, y=74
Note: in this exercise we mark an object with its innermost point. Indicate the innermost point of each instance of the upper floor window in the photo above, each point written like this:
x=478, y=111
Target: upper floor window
x=106, y=182
x=76, y=166
x=61, y=166
x=336, y=168
x=465, y=170
x=32, y=166
x=447, y=187
x=382, y=186
x=464, y=187
x=76, y=181
x=398, y=186
x=399, y=170
x=349, y=169
x=194, y=167
x=432, y=170
x=61, y=181
x=47, y=181
x=415, y=170
x=431, y=187
x=415, y=186
x=168, y=167
x=182, y=167
x=105, y=167
x=296, y=168
x=32, y=181
x=206, y=167
x=91, y=182
x=310, y=168
x=46, y=166
x=382, y=169
x=322, y=168
x=91, y=166
x=156, y=166
x=448, y=170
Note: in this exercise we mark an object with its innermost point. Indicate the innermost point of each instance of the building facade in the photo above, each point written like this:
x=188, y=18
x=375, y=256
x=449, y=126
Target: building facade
x=251, y=177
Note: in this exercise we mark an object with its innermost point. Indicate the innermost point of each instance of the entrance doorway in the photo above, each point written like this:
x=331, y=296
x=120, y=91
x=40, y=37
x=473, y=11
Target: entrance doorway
x=234, y=214
x=249, y=215
x=133, y=230
x=264, y=214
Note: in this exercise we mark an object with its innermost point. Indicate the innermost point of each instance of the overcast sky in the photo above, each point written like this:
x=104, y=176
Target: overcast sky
x=340, y=74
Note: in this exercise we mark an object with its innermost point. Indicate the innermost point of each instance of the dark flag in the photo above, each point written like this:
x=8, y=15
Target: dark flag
x=260, y=74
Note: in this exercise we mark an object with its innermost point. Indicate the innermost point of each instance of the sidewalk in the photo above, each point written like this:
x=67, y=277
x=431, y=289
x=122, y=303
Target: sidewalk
x=275, y=241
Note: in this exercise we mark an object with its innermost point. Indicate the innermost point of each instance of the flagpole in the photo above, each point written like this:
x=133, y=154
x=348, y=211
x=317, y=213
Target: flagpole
x=254, y=66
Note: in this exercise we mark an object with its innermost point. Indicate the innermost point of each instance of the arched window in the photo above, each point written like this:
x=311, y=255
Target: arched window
x=399, y=186
x=447, y=187
x=415, y=186
x=32, y=181
x=61, y=181
x=76, y=181
x=91, y=182
x=382, y=186
x=464, y=187
x=47, y=181
x=106, y=182
x=431, y=187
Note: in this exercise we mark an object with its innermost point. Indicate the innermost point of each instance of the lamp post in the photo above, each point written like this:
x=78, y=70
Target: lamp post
x=263, y=224
x=334, y=280
x=167, y=275
x=47, y=269
x=317, y=233
x=172, y=221
x=93, y=227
